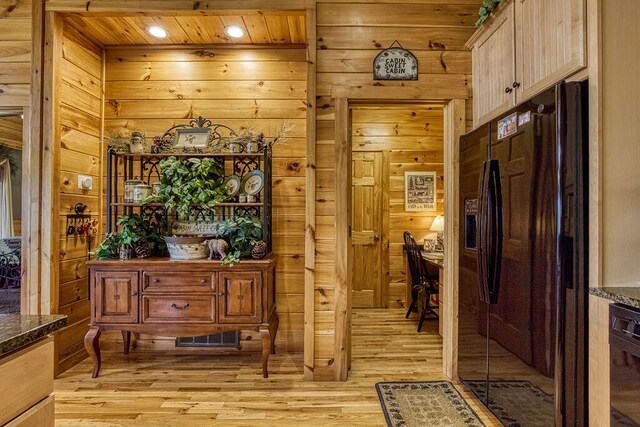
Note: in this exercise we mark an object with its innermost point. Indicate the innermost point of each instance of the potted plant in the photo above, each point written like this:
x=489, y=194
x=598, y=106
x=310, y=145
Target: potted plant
x=138, y=234
x=188, y=182
x=488, y=6
x=242, y=234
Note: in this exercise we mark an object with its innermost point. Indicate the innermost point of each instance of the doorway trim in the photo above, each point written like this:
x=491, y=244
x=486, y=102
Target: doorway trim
x=454, y=125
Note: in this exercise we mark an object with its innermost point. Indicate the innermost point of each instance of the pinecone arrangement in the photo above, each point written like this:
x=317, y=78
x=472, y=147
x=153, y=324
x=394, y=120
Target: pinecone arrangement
x=259, y=250
x=142, y=249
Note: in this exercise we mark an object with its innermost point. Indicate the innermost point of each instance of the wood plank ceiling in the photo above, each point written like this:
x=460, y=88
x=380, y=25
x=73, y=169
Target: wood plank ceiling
x=260, y=28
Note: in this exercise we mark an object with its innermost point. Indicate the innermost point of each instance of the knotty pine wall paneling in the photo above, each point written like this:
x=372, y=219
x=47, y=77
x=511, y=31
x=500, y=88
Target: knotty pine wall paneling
x=411, y=138
x=349, y=36
x=80, y=148
x=154, y=88
x=15, y=53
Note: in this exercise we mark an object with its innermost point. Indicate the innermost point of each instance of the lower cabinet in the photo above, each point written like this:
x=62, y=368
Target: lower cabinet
x=181, y=299
x=240, y=299
x=116, y=297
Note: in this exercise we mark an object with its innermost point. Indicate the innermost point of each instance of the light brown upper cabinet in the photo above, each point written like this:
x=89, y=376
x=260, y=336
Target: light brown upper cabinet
x=523, y=48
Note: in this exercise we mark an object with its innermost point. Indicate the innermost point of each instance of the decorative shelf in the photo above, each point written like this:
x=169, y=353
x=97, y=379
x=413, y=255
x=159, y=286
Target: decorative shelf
x=165, y=155
x=160, y=205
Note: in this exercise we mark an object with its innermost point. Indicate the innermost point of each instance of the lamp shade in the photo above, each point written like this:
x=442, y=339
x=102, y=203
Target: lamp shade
x=438, y=224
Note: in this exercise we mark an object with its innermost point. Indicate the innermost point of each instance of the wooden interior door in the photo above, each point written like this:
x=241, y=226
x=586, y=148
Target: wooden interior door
x=366, y=236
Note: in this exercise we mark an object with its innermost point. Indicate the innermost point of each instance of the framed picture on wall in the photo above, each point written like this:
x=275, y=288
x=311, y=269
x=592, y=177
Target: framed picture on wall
x=420, y=191
x=192, y=138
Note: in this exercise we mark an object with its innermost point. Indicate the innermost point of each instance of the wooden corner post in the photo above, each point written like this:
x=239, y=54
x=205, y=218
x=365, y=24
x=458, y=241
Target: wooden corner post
x=342, y=294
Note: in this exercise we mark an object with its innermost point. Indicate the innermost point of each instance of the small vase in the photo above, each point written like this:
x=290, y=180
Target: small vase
x=125, y=253
x=253, y=147
x=235, y=147
x=136, y=143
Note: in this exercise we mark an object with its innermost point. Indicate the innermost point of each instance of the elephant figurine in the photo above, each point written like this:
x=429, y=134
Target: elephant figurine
x=217, y=247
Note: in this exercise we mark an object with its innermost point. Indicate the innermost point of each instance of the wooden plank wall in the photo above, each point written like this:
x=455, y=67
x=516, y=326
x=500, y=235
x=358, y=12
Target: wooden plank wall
x=411, y=138
x=15, y=53
x=80, y=154
x=349, y=36
x=153, y=88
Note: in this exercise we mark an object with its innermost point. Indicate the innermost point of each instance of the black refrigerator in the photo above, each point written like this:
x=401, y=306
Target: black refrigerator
x=522, y=334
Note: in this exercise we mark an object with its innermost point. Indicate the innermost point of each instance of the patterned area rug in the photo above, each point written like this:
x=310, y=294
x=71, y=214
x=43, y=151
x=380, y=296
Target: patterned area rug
x=9, y=301
x=517, y=403
x=429, y=403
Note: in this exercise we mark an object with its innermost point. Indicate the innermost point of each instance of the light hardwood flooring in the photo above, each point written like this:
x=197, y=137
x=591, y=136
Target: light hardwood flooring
x=183, y=388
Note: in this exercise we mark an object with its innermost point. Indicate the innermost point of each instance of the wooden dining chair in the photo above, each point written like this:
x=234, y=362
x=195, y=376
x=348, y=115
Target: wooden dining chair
x=421, y=280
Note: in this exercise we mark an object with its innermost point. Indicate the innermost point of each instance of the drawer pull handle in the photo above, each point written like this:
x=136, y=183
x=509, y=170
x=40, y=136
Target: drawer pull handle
x=203, y=281
x=221, y=294
x=156, y=280
x=184, y=307
x=134, y=293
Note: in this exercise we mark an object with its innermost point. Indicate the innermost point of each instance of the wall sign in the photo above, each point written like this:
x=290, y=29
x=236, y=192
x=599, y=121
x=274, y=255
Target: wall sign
x=419, y=191
x=395, y=63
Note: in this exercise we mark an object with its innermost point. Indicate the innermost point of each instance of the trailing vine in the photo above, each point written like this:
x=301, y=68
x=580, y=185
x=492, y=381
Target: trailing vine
x=488, y=6
x=193, y=181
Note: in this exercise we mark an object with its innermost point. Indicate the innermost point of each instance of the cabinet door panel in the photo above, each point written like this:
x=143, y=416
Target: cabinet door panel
x=116, y=297
x=494, y=68
x=240, y=297
x=550, y=42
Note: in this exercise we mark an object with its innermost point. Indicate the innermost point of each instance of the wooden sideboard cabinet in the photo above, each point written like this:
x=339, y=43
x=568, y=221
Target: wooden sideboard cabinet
x=181, y=299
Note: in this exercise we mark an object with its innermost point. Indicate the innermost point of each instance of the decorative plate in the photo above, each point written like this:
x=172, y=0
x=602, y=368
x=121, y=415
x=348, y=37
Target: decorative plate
x=252, y=182
x=232, y=184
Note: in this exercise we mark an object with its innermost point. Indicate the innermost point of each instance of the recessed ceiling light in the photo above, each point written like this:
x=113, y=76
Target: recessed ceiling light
x=157, y=31
x=234, y=31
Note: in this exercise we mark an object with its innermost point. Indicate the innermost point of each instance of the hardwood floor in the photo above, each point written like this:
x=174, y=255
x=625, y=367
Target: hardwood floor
x=180, y=387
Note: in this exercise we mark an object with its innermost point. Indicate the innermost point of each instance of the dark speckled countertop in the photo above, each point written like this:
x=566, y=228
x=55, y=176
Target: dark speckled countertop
x=629, y=296
x=18, y=330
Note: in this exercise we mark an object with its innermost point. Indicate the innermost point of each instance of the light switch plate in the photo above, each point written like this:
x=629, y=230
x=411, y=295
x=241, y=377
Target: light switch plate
x=85, y=182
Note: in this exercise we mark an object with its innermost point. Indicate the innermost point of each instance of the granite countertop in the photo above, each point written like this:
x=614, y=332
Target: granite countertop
x=628, y=295
x=18, y=330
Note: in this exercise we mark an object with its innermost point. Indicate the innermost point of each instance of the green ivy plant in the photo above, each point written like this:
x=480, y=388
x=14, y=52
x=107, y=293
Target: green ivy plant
x=133, y=228
x=187, y=182
x=488, y=6
x=242, y=234
x=109, y=247
x=142, y=227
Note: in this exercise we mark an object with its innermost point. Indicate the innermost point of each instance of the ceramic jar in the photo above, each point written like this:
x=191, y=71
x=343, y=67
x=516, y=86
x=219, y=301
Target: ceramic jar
x=129, y=186
x=136, y=143
x=253, y=147
x=141, y=192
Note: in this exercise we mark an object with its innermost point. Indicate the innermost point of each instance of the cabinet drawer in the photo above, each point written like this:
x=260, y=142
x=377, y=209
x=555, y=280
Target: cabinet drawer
x=41, y=415
x=193, y=308
x=186, y=281
x=34, y=363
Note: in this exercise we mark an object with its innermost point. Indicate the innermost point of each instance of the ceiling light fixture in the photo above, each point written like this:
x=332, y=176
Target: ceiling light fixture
x=157, y=31
x=234, y=31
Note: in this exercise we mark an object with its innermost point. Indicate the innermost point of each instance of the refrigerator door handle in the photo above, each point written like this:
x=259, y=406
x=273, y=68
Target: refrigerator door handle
x=482, y=233
x=495, y=235
x=490, y=232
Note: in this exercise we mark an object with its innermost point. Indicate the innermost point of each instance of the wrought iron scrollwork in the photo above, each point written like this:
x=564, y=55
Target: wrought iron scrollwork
x=217, y=138
x=10, y=269
x=244, y=165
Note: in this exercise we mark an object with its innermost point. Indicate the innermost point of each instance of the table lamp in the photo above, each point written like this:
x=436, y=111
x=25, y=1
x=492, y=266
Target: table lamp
x=438, y=227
